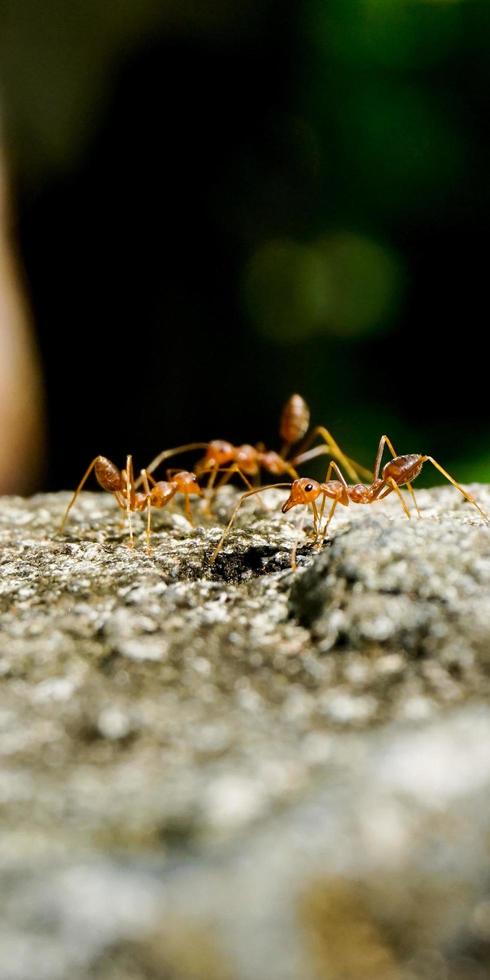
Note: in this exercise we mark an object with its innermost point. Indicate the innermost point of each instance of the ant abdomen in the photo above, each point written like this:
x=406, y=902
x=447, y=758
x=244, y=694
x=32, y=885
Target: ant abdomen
x=108, y=475
x=403, y=469
x=295, y=420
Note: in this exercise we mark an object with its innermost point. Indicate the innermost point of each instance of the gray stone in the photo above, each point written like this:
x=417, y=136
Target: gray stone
x=236, y=771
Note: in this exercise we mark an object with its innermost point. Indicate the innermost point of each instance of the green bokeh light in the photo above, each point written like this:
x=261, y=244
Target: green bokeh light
x=366, y=284
x=344, y=285
x=386, y=33
x=287, y=290
x=402, y=142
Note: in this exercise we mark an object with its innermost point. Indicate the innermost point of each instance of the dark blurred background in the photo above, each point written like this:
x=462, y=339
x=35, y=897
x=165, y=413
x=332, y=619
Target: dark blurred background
x=218, y=206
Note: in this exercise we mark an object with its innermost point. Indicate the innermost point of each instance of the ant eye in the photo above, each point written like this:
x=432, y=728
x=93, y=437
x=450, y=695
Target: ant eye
x=308, y=487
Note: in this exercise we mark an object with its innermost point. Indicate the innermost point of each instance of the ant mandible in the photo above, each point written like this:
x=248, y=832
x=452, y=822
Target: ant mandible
x=398, y=472
x=247, y=460
x=121, y=484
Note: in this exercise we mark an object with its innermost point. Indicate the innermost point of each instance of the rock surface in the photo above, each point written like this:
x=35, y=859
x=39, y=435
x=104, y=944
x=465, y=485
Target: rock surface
x=233, y=771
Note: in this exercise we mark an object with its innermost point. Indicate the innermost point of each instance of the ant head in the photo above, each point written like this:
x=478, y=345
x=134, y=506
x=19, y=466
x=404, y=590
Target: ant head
x=303, y=492
x=186, y=482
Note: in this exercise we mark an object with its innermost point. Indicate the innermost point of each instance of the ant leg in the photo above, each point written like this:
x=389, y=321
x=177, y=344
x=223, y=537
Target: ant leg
x=394, y=486
x=316, y=520
x=188, y=511
x=120, y=498
x=128, y=494
x=291, y=470
x=316, y=526
x=234, y=515
x=414, y=499
x=341, y=478
x=77, y=491
x=385, y=441
x=322, y=511
x=333, y=467
x=324, y=450
x=294, y=549
x=329, y=518
x=130, y=472
x=167, y=454
x=228, y=473
x=322, y=507
x=353, y=469
x=466, y=495
x=234, y=468
x=146, y=486
x=213, y=472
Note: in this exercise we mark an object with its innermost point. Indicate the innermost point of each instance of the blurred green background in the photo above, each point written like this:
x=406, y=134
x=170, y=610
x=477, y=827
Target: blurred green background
x=219, y=206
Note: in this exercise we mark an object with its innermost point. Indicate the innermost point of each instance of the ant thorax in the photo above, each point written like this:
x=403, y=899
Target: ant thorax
x=246, y=457
x=336, y=491
x=162, y=493
x=360, y=494
x=140, y=501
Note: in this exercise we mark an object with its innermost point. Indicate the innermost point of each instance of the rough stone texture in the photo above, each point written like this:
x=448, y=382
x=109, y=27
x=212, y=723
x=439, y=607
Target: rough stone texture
x=235, y=771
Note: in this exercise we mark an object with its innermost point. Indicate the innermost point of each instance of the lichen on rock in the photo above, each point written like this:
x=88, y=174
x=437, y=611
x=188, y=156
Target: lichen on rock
x=170, y=727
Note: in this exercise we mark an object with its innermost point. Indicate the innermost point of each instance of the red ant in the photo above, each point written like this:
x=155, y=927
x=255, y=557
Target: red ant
x=247, y=461
x=122, y=485
x=398, y=472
